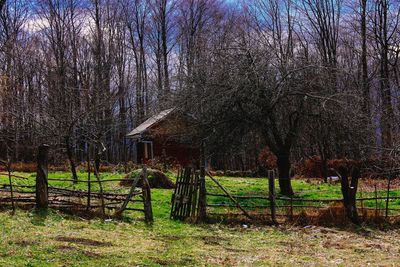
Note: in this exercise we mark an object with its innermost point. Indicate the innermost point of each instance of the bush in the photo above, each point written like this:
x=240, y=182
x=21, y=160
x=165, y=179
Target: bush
x=371, y=167
x=21, y=167
x=267, y=159
x=156, y=178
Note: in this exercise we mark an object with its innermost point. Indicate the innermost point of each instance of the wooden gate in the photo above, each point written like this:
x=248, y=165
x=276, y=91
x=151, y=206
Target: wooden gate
x=186, y=195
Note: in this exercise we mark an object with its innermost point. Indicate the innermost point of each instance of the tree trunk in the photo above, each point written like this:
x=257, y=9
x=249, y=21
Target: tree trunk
x=285, y=184
x=71, y=159
x=364, y=61
x=384, y=42
x=349, y=193
x=164, y=39
x=2, y=2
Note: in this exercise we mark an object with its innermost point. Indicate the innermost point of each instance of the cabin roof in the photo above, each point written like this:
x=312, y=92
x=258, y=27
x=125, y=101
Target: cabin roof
x=143, y=127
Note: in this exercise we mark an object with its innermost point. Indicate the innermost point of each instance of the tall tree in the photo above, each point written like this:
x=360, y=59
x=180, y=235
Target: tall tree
x=2, y=2
x=364, y=59
x=162, y=17
x=384, y=27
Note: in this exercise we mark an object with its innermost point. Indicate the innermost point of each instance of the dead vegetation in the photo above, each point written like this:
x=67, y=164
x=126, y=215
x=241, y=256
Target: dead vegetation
x=83, y=241
x=156, y=178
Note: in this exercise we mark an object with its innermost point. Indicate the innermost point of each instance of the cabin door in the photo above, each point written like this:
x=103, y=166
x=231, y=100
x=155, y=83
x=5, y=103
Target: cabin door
x=145, y=151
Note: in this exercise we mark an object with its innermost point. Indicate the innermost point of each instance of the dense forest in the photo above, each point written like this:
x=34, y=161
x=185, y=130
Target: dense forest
x=295, y=79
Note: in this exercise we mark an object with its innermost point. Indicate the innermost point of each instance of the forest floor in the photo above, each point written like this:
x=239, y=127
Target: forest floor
x=30, y=238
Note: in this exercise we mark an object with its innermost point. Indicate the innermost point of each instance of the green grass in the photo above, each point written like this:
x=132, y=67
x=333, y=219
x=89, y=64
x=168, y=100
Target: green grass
x=29, y=238
x=235, y=185
x=302, y=189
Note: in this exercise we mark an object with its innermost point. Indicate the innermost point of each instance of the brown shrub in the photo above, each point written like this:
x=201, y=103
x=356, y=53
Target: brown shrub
x=312, y=167
x=267, y=159
x=22, y=167
x=371, y=167
x=335, y=215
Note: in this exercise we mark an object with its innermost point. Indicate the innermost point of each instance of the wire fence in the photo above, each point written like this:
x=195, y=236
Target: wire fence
x=100, y=196
x=256, y=197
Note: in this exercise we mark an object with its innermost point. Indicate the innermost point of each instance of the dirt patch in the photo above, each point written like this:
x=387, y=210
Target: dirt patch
x=236, y=249
x=156, y=178
x=212, y=240
x=66, y=248
x=162, y=262
x=83, y=241
x=85, y=252
x=171, y=237
x=335, y=245
x=24, y=243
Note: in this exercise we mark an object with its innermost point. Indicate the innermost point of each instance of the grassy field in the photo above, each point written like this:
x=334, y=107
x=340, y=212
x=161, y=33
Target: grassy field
x=29, y=238
x=311, y=189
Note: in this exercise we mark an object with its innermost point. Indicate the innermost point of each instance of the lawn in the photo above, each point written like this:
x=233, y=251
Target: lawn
x=29, y=238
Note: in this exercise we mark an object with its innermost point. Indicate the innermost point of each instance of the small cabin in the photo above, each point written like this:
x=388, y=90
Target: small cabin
x=165, y=137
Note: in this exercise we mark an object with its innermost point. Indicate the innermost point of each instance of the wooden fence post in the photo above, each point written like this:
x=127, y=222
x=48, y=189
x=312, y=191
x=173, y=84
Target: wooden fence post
x=376, y=202
x=388, y=196
x=202, y=214
x=148, y=211
x=271, y=186
x=291, y=208
x=97, y=174
x=88, y=178
x=194, y=196
x=8, y=166
x=42, y=201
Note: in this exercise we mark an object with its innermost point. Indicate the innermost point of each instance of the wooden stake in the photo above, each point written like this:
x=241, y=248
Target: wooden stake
x=11, y=185
x=148, y=211
x=271, y=186
x=362, y=202
x=89, y=183
x=96, y=173
x=376, y=202
x=42, y=201
x=291, y=208
x=387, y=196
x=194, y=197
x=202, y=213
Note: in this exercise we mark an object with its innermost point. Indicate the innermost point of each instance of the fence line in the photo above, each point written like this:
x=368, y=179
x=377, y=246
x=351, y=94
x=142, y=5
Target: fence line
x=376, y=202
x=44, y=195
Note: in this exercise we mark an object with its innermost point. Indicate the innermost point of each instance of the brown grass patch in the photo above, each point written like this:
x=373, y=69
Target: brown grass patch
x=83, y=241
x=335, y=216
x=212, y=240
x=24, y=243
x=84, y=252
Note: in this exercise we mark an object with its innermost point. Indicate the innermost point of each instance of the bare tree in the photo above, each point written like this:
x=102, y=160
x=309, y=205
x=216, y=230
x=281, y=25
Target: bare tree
x=2, y=2
x=136, y=21
x=162, y=17
x=364, y=59
x=384, y=24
